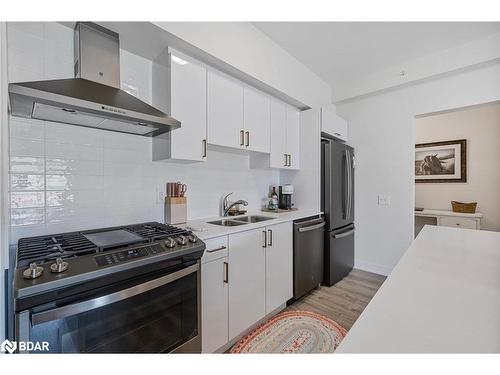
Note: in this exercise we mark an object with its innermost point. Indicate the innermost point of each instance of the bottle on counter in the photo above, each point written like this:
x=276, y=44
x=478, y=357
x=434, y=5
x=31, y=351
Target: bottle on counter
x=273, y=204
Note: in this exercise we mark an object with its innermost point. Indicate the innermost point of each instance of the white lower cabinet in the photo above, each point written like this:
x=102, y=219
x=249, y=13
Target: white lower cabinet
x=244, y=277
x=279, y=265
x=214, y=295
x=247, y=280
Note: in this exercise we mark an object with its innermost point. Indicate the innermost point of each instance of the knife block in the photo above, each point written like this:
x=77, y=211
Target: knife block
x=175, y=210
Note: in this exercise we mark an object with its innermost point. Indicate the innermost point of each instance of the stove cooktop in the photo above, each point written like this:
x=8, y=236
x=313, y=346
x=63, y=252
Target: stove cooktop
x=55, y=261
x=47, y=248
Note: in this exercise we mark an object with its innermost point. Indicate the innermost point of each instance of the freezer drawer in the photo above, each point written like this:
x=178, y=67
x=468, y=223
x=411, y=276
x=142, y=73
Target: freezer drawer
x=308, y=245
x=339, y=254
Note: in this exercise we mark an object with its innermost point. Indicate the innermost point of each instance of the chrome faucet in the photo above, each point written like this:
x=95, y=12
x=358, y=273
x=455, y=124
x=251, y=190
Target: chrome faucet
x=225, y=207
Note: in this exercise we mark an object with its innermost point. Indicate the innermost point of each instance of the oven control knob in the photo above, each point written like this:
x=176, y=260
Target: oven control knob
x=170, y=242
x=192, y=238
x=181, y=240
x=59, y=266
x=33, y=271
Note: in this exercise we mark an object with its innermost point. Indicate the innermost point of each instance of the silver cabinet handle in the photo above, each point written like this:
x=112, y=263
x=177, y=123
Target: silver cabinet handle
x=204, y=145
x=81, y=307
x=226, y=272
x=286, y=160
x=270, y=242
x=345, y=234
x=265, y=239
x=242, y=138
x=247, y=135
x=289, y=160
x=312, y=227
x=216, y=249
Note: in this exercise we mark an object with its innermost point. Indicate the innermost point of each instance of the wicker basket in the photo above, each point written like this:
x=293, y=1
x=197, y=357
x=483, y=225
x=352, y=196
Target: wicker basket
x=465, y=208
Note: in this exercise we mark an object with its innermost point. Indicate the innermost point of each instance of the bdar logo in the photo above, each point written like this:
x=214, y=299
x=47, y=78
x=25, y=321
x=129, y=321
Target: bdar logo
x=8, y=346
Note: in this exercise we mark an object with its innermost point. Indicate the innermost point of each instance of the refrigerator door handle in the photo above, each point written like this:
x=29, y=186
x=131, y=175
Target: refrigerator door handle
x=345, y=234
x=345, y=206
x=349, y=195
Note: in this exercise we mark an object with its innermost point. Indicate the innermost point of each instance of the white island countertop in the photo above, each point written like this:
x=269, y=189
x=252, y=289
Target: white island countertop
x=205, y=231
x=442, y=297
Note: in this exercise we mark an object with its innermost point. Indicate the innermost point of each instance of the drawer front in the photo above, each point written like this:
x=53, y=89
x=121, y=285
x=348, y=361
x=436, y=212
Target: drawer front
x=216, y=248
x=458, y=222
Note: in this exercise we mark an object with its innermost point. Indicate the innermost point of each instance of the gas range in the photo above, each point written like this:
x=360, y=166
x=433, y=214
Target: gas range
x=48, y=262
x=127, y=289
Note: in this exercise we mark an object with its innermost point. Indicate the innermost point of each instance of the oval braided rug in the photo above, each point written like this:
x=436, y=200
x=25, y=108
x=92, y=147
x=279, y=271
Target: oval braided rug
x=293, y=332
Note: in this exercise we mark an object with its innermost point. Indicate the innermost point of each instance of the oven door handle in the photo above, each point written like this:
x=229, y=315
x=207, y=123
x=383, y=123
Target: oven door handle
x=80, y=307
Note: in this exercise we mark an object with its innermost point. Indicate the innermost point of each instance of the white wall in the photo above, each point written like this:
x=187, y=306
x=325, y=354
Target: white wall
x=66, y=177
x=246, y=48
x=382, y=129
x=480, y=126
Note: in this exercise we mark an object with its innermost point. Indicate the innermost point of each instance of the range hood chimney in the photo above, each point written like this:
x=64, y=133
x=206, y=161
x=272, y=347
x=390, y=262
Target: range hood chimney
x=93, y=98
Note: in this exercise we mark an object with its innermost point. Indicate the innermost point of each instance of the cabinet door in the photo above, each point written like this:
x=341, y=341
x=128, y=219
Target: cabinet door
x=279, y=265
x=188, y=100
x=278, y=135
x=257, y=117
x=333, y=124
x=225, y=111
x=247, y=280
x=293, y=138
x=214, y=302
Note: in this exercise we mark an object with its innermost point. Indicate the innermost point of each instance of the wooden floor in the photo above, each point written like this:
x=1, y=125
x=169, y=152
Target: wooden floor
x=345, y=301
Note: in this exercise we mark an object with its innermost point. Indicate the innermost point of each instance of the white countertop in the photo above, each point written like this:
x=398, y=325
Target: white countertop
x=442, y=297
x=427, y=212
x=205, y=231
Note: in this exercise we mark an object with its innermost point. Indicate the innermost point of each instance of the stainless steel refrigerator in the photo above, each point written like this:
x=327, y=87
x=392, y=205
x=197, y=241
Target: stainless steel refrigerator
x=337, y=201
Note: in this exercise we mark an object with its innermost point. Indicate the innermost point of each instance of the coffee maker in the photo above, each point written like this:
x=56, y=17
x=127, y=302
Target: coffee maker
x=285, y=197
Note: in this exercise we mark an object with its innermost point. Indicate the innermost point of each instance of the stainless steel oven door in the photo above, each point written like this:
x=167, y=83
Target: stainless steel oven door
x=157, y=316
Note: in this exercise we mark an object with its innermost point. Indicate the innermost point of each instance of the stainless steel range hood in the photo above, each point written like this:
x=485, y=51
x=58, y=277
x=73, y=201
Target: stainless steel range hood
x=92, y=99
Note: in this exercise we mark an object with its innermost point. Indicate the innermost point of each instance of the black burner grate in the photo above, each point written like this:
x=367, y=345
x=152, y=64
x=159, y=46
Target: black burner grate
x=44, y=248
x=155, y=231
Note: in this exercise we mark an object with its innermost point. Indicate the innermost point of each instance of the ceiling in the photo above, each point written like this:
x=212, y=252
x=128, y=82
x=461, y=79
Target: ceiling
x=341, y=52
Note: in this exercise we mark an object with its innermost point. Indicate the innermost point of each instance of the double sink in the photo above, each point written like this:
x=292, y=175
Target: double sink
x=240, y=220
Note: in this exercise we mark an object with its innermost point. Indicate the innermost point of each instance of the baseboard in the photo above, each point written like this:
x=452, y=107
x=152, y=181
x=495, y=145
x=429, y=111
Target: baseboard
x=379, y=269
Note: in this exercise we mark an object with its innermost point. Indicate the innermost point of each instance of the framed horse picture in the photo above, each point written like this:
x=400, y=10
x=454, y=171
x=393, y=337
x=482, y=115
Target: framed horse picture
x=441, y=161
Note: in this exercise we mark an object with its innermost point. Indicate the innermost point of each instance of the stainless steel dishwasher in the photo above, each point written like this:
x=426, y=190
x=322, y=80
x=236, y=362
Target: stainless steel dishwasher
x=308, y=250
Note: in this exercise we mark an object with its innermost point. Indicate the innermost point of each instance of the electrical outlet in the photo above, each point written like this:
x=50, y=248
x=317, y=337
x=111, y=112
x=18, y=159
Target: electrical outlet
x=160, y=195
x=384, y=200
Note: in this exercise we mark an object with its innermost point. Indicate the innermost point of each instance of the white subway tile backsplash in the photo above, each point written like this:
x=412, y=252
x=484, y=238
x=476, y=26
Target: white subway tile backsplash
x=24, y=128
x=27, y=165
x=74, y=198
x=74, y=167
x=73, y=182
x=27, y=216
x=66, y=178
x=23, y=182
x=27, y=199
x=78, y=135
x=26, y=147
x=65, y=150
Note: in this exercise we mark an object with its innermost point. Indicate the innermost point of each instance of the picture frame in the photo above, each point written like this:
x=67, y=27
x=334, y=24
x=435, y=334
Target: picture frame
x=441, y=162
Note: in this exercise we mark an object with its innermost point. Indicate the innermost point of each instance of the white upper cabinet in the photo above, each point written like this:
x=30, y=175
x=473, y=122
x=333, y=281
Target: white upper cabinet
x=188, y=102
x=257, y=125
x=293, y=138
x=285, y=136
x=278, y=158
x=333, y=125
x=225, y=111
